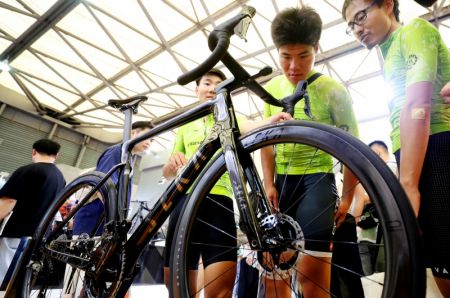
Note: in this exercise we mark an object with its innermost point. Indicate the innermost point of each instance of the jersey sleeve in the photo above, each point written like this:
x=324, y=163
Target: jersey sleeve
x=341, y=109
x=419, y=47
x=178, y=146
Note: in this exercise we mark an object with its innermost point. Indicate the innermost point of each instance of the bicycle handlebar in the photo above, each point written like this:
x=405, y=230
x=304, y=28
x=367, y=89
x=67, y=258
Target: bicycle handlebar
x=218, y=42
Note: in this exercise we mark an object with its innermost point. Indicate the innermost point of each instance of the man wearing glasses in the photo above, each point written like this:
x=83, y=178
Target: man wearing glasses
x=416, y=67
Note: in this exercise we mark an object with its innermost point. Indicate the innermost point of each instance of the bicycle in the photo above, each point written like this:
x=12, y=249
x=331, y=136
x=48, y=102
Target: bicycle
x=138, y=215
x=108, y=261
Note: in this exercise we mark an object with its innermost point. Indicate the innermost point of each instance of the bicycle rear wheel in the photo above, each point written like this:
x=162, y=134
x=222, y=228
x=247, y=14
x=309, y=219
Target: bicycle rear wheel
x=404, y=274
x=47, y=272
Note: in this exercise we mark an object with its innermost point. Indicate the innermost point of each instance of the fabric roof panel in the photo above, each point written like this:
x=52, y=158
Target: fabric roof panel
x=166, y=67
x=53, y=45
x=82, y=81
x=30, y=65
x=133, y=15
x=40, y=6
x=160, y=12
x=17, y=23
x=132, y=42
x=106, y=64
x=82, y=24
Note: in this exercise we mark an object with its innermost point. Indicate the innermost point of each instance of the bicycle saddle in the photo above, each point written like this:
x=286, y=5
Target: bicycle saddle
x=129, y=103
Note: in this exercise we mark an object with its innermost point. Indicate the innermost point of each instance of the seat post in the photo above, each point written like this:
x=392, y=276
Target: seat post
x=128, y=107
x=127, y=124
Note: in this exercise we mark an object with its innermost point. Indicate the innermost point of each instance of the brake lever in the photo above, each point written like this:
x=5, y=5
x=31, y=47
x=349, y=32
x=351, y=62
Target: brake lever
x=267, y=70
x=307, y=107
x=290, y=101
x=242, y=27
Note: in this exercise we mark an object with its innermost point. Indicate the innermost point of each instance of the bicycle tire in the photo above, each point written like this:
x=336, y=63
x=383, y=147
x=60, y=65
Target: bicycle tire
x=43, y=275
x=404, y=274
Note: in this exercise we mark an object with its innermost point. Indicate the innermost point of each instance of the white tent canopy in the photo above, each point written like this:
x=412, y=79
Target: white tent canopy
x=64, y=59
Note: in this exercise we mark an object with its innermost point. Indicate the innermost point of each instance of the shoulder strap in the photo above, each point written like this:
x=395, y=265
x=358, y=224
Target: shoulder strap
x=312, y=78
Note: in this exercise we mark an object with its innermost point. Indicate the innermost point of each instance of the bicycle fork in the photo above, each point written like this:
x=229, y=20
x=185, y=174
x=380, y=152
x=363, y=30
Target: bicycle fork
x=242, y=175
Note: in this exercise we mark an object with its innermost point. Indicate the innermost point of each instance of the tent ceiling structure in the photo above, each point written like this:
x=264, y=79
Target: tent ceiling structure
x=64, y=59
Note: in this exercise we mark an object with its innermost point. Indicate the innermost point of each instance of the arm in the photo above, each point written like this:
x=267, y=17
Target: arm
x=421, y=42
x=361, y=199
x=348, y=190
x=6, y=206
x=414, y=134
x=268, y=168
x=178, y=158
x=176, y=161
x=342, y=112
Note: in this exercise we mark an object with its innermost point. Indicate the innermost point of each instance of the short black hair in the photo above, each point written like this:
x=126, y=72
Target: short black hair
x=296, y=26
x=46, y=146
x=215, y=72
x=142, y=125
x=378, y=2
x=379, y=143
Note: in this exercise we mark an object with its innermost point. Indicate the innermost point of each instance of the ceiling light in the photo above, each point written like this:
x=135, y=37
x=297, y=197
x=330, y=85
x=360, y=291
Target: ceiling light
x=4, y=66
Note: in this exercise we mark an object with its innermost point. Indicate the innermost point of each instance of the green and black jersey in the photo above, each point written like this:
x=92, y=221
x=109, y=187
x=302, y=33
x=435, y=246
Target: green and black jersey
x=416, y=53
x=330, y=104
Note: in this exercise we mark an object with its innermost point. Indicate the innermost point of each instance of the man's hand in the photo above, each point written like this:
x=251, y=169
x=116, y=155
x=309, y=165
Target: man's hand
x=175, y=162
x=272, y=196
x=282, y=116
x=6, y=206
x=413, y=194
x=341, y=213
x=250, y=125
x=445, y=92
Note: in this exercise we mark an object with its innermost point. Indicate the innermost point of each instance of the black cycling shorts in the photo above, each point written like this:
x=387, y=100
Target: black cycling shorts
x=434, y=212
x=311, y=200
x=214, y=233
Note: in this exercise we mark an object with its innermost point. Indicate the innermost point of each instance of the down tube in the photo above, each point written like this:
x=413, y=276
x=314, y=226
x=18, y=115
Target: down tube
x=170, y=199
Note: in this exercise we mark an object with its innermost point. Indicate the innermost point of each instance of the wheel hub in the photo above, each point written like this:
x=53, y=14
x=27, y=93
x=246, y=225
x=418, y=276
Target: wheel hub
x=284, y=234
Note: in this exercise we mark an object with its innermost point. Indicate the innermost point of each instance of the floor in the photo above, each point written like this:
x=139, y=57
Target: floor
x=160, y=291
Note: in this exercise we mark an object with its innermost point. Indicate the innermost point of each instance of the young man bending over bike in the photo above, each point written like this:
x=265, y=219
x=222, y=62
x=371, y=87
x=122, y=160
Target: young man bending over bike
x=292, y=183
x=416, y=67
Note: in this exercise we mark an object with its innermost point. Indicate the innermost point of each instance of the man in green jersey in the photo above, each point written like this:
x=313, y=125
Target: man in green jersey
x=416, y=67
x=216, y=232
x=219, y=264
x=295, y=185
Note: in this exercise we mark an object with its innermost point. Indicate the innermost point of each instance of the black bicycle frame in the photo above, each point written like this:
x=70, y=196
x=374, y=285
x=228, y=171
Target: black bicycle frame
x=223, y=135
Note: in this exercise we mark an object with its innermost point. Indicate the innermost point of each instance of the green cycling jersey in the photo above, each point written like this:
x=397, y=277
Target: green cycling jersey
x=416, y=53
x=330, y=104
x=189, y=138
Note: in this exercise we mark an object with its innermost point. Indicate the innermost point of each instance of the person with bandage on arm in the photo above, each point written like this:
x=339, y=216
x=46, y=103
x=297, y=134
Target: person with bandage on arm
x=416, y=69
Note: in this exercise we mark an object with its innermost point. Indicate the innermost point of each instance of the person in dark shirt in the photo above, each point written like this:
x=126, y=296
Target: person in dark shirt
x=26, y=196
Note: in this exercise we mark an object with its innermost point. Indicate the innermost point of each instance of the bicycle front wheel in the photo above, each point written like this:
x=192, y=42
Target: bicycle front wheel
x=60, y=262
x=402, y=275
